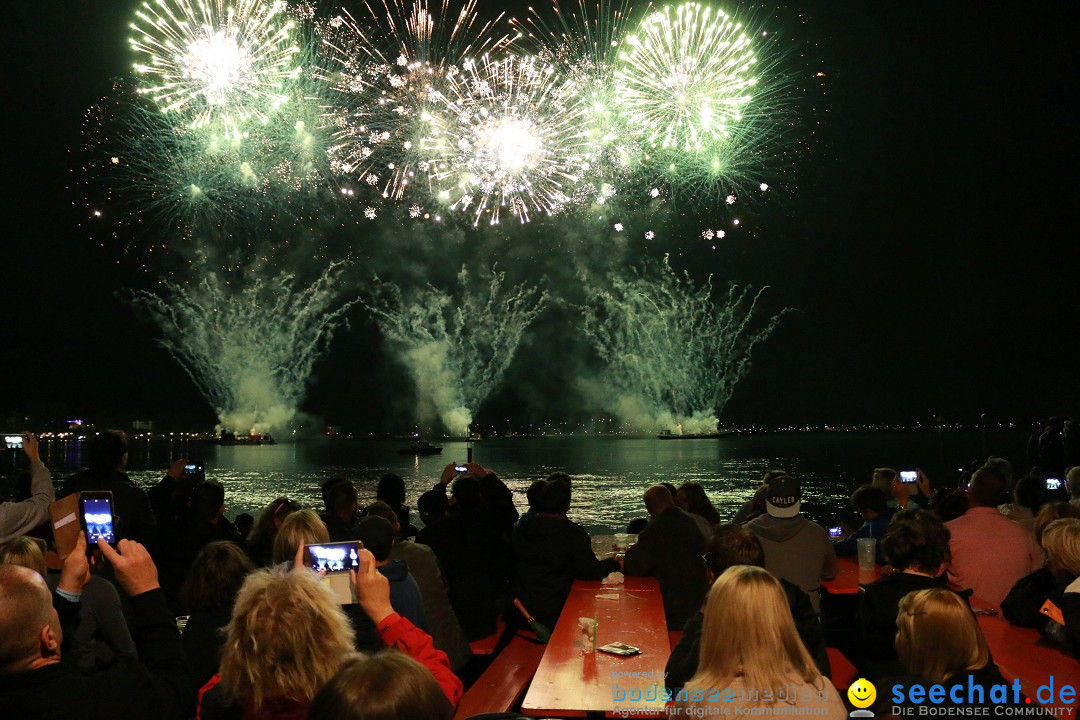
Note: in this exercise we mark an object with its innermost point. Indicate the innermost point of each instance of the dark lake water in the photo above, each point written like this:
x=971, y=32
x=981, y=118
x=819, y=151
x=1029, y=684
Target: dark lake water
x=611, y=473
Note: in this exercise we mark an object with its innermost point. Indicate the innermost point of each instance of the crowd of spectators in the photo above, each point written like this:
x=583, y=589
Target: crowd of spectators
x=192, y=614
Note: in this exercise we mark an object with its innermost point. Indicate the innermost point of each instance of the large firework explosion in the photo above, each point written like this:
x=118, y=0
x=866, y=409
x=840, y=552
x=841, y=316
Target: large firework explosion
x=251, y=116
x=423, y=105
x=214, y=62
x=387, y=69
x=583, y=44
x=684, y=77
x=508, y=136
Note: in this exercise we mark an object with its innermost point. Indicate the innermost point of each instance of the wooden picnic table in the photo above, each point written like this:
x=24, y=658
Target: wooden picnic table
x=573, y=683
x=1020, y=653
x=1024, y=654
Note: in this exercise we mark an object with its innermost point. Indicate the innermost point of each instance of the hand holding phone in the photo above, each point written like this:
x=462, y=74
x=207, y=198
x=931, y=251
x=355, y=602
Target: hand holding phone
x=909, y=477
x=76, y=571
x=372, y=588
x=134, y=568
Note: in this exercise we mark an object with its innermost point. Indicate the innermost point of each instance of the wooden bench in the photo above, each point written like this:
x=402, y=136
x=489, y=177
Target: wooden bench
x=843, y=672
x=487, y=645
x=500, y=687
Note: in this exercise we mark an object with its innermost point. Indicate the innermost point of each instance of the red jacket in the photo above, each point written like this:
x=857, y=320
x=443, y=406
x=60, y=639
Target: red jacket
x=398, y=631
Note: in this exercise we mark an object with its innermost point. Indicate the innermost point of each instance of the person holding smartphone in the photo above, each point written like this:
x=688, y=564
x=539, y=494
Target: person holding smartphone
x=36, y=685
x=18, y=518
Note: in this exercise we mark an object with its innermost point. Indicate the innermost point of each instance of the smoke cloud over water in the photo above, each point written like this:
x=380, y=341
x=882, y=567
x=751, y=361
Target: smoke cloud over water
x=457, y=345
x=673, y=355
x=249, y=344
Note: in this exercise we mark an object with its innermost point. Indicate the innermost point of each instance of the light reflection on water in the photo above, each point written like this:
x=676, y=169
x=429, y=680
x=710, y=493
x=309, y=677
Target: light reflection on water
x=611, y=473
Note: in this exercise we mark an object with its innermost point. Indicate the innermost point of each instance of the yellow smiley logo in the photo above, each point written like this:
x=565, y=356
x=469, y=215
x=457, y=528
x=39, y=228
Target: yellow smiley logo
x=862, y=693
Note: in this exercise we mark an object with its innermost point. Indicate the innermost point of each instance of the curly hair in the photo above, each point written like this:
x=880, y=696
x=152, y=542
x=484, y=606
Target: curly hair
x=916, y=539
x=286, y=639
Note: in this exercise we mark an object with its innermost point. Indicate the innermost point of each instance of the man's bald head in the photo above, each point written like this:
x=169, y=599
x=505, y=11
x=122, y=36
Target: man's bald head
x=658, y=499
x=25, y=608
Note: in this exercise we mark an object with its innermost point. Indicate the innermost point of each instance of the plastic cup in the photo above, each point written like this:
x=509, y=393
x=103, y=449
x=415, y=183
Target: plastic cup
x=622, y=541
x=588, y=634
x=867, y=552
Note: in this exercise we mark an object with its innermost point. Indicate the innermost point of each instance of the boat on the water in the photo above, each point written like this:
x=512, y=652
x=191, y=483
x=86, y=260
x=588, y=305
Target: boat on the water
x=668, y=435
x=421, y=447
x=229, y=438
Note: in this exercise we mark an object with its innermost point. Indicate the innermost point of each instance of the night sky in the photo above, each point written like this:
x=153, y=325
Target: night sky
x=927, y=236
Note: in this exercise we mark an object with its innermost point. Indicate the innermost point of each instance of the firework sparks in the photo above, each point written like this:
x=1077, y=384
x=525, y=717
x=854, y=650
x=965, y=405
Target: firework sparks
x=508, y=137
x=387, y=69
x=212, y=61
x=583, y=43
x=685, y=76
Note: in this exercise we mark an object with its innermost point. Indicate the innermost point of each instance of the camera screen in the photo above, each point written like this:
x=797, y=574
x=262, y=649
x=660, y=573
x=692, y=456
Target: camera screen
x=334, y=557
x=460, y=469
x=908, y=476
x=13, y=441
x=835, y=531
x=98, y=516
x=1053, y=483
x=193, y=469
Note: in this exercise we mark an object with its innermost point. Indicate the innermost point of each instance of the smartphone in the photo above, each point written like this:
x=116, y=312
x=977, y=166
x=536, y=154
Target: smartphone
x=836, y=531
x=194, y=469
x=909, y=476
x=461, y=470
x=96, y=516
x=13, y=441
x=1053, y=483
x=618, y=648
x=337, y=557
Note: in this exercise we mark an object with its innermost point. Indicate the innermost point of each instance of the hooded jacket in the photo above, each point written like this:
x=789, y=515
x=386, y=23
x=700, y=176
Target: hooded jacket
x=796, y=550
x=405, y=595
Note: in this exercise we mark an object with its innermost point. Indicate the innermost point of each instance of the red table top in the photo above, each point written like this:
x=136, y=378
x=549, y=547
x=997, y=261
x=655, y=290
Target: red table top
x=571, y=683
x=849, y=576
x=1024, y=654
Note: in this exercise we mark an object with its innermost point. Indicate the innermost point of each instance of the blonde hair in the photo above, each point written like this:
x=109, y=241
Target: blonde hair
x=937, y=635
x=301, y=526
x=1061, y=541
x=749, y=632
x=23, y=551
x=286, y=639
x=1048, y=514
